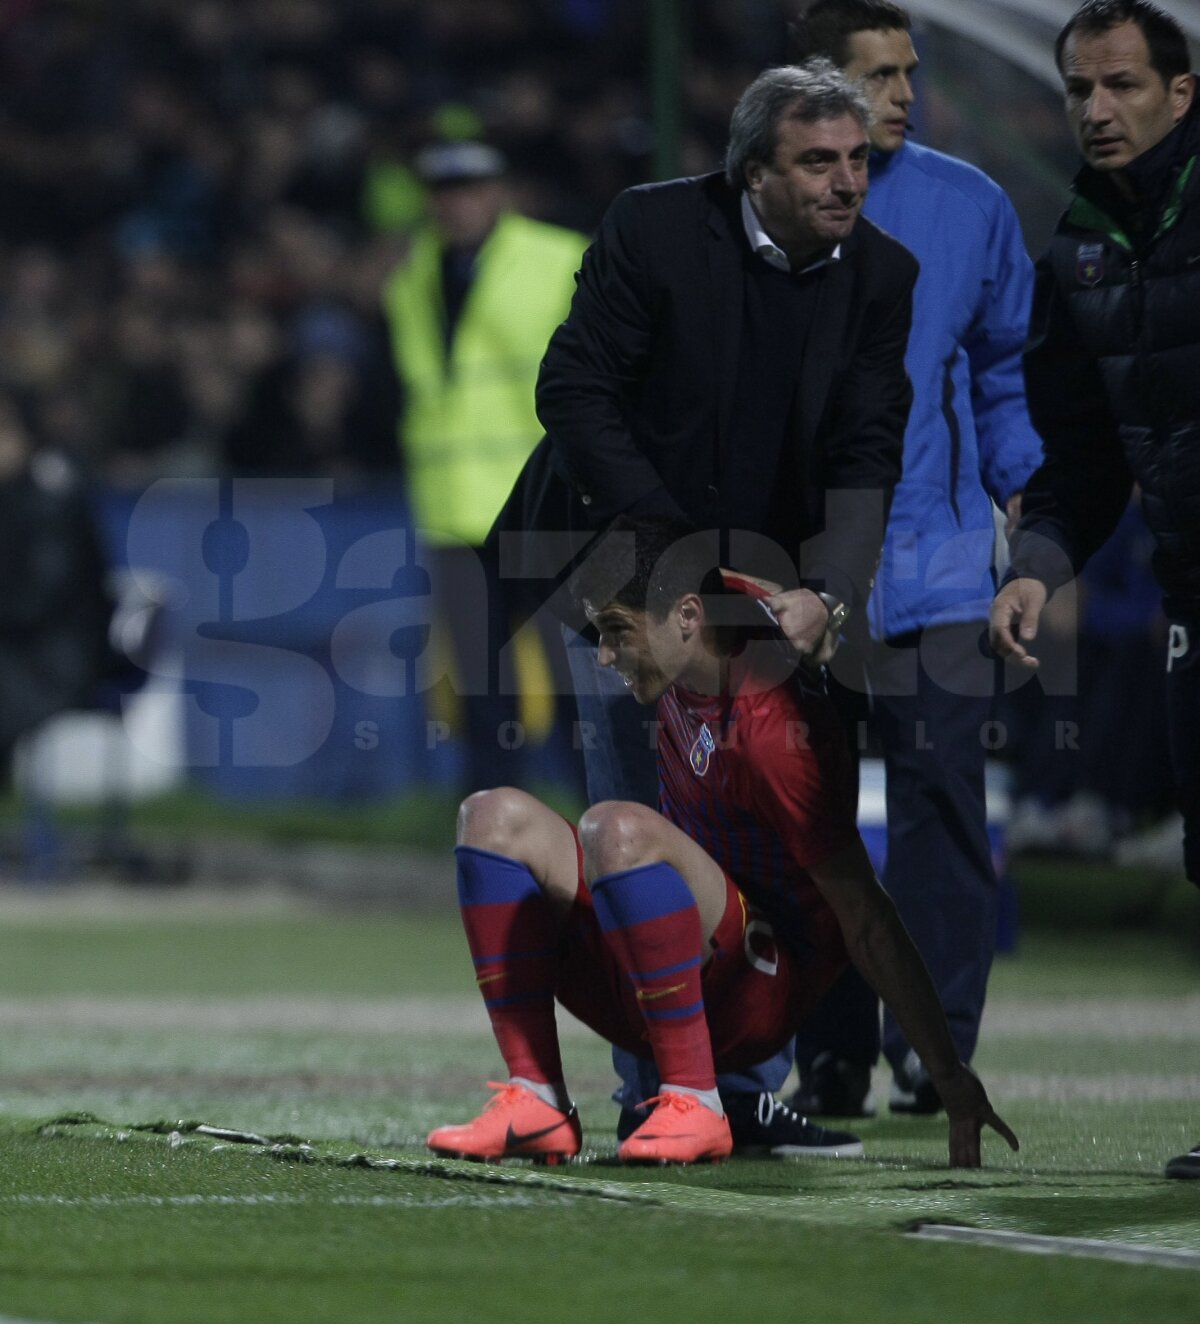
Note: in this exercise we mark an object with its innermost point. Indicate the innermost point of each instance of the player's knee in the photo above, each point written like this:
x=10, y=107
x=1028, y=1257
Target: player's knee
x=617, y=835
x=494, y=820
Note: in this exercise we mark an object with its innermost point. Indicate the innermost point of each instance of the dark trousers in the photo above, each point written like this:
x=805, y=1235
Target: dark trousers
x=478, y=610
x=1183, y=722
x=475, y=614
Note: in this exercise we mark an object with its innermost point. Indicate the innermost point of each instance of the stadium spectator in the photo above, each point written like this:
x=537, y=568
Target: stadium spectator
x=640, y=922
x=676, y=387
x=54, y=619
x=470, y=309
x=1113, y=362
x=327, y=406
x=163, y=164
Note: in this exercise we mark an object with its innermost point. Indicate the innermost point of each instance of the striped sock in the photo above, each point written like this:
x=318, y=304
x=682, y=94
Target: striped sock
x=513, y=939
x=651, y=923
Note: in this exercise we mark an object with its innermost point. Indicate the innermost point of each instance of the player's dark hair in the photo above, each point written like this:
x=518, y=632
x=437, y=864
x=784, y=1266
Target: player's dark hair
x=1165, y=39
x=826, y=26
x=806, y=92
x=648, y=565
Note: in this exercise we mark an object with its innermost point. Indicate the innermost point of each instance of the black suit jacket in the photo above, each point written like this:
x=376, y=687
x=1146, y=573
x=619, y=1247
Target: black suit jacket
x=639, y=385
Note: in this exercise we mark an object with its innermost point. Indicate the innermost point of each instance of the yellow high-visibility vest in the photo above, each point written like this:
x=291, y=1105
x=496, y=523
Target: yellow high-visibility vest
x=469, y=422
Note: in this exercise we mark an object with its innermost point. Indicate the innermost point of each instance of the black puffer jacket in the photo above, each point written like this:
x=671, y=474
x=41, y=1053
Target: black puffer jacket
x=1112, y=370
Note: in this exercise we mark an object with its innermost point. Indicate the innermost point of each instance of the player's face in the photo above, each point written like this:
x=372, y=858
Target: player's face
x=810, y=195
x=884, y=63
x=1118, y=106
x=643, y=651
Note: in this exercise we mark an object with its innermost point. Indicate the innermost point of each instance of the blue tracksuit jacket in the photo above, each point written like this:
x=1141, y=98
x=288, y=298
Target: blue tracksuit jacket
x=969, y=438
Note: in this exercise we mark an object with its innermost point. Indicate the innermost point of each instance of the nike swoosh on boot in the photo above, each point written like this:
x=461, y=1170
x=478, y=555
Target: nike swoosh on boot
x=512, y=1138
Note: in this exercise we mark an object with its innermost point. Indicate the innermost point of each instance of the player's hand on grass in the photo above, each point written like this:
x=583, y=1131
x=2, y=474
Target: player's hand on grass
x=969, y=1110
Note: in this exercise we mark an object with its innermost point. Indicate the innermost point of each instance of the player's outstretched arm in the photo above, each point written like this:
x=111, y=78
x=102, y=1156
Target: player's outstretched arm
x=879, y=945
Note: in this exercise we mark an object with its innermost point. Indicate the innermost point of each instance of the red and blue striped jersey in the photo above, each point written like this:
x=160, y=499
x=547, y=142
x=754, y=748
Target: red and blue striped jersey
x=761, y=777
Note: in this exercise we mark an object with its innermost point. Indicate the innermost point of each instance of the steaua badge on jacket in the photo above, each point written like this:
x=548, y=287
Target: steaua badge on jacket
x=701, y=750
x=1089, y=264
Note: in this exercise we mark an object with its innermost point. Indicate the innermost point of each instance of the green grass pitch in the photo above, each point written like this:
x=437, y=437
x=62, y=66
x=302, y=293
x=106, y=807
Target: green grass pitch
x=358, y=1032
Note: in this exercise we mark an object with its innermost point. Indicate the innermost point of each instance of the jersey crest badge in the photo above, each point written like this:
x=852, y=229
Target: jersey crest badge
x=702, y=750
x=1089, y=264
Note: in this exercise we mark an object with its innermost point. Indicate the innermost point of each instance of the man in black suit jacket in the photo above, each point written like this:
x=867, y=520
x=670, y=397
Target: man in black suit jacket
x=733, y=357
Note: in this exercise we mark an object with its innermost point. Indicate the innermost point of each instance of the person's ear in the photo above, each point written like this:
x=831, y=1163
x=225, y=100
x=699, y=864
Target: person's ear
x=1183, y=89
x=690, y=612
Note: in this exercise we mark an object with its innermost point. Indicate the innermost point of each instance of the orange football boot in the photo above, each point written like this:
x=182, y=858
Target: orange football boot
x=514, y=1124
x=679, y=1130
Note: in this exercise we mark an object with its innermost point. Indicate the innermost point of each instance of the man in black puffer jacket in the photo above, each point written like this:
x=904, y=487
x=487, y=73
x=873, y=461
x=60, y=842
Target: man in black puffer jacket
x=1113, y=360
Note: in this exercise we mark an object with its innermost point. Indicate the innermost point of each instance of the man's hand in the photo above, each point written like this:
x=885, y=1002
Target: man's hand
x=969, y=1110
x=768, y=586
x=804, y=620
x=1018, y=604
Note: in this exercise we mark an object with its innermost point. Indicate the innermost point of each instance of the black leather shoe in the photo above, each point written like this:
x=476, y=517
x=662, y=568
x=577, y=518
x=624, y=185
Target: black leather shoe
x=912, y=1090
x=1186, y=1165
x=833, y=1087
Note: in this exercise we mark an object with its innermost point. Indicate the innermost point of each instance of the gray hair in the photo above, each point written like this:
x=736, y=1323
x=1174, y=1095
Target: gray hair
x=814, y=90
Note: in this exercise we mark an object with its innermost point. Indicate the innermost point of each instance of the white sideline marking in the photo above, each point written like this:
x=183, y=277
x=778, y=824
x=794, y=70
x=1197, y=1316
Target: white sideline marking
x=115, y=903
x=455, y=1014
x=1117, y=1019
x=1108, y=1019
x=1083, y=1247
x=11, y=1319
x=252, y=1201
x=272, y=1012
x=1116, y=1087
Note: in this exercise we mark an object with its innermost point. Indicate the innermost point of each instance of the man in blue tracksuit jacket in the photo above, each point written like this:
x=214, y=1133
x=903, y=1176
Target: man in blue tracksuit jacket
x=969, y=442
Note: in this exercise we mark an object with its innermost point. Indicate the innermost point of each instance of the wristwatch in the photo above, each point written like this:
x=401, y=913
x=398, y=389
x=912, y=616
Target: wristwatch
x=839, y=613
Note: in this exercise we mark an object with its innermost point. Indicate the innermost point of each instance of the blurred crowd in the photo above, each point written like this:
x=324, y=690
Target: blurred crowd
x=199, y=202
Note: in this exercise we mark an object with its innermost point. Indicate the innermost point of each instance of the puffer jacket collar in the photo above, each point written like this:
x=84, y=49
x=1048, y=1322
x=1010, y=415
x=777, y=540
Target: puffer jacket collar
x=1158, y=178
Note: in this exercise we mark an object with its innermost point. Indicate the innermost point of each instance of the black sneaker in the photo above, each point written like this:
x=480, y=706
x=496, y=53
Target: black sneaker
x=763, y=1125
x=912, y=1090
x=833, y=1087
x=1186, y=1165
